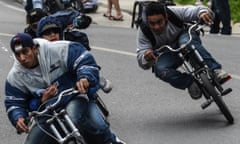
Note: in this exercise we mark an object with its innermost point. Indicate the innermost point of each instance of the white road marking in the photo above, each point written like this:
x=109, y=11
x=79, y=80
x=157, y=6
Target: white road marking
x=114, y=51
x=12, y=7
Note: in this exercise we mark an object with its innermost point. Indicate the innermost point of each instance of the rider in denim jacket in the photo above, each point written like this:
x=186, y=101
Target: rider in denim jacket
x=41, y=70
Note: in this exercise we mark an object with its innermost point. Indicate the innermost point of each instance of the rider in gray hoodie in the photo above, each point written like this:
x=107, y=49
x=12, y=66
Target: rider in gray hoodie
x=166, y=32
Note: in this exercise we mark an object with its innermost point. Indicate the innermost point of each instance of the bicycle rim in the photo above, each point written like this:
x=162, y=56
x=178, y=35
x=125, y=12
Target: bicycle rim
x=217, y=98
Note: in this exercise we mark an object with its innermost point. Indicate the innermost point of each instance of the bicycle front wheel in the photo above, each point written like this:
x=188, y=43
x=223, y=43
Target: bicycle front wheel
x=216, y=97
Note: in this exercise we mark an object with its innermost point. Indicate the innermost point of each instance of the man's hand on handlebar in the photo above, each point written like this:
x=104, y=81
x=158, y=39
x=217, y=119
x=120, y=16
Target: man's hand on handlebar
x=149, y=55
x=21, y=126
x=83, y=85
x=50, y=92
x=206, y=17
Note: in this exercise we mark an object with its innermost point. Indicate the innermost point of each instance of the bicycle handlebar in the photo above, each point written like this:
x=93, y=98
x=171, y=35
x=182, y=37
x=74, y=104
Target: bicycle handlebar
x=54, y=105
x=195, y=27
x=50, y=107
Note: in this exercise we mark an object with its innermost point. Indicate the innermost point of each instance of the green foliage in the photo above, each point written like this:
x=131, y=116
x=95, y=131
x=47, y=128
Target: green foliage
x=234, y=6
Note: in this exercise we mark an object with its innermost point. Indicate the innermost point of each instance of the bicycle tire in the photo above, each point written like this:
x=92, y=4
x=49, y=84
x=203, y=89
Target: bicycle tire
x=217, y=98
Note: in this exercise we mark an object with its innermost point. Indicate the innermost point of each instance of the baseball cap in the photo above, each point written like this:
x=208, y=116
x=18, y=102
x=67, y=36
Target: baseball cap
x=21, y=40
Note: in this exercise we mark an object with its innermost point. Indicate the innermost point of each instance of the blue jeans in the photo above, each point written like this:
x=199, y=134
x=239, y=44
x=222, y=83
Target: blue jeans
x=222, y=13
x=167, y=64
x=86, y=117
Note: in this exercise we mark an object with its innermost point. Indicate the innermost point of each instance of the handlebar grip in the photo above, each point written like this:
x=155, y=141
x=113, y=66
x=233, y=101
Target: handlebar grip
x=26, y=121
x=155, y=53
x=18, y=132
x=200, y=22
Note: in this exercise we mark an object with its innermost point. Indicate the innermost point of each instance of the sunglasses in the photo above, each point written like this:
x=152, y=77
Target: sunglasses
x=50, y=31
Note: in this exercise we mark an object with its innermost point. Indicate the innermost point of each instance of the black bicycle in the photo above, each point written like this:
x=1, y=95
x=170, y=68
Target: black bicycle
x=194, y=64
x=62, y=128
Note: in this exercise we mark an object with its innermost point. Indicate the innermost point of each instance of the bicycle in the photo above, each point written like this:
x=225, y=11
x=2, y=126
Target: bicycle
x=62, y=127
x=194, y=64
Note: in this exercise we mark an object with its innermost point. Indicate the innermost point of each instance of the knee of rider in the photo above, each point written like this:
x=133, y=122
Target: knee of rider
x=161, y=72
x=78, y=120
x=184, y=38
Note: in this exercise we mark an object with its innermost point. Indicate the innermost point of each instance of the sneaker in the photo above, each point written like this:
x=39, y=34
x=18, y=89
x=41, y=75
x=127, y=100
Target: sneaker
x=226, y=31
x=105, y=85
x=118, y=141
x=194, y=91
x=222, y=76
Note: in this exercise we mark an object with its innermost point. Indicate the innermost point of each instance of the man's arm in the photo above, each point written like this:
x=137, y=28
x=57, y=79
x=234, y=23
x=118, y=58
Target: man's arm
x=191, y=13
x=145, y=55
x=83, y=63
x=15, y=103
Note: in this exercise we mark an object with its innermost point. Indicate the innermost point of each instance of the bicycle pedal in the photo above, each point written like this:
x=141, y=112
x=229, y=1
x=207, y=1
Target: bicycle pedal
x=226, y=91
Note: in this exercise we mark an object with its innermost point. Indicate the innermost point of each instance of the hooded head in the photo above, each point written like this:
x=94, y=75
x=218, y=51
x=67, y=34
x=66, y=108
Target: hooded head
x=49, y=23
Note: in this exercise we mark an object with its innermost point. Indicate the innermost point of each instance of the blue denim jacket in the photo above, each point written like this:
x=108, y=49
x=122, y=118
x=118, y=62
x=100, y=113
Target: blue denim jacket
x=61, y=62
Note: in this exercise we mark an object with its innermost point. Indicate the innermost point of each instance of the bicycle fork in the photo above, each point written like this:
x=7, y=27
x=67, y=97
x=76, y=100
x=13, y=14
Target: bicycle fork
x=204, y=68
x=68, y=129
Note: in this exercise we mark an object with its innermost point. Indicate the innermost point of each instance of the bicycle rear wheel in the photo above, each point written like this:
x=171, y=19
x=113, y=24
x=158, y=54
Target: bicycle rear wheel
x=217, y=98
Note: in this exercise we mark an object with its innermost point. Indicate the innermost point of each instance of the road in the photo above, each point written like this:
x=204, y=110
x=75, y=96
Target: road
x=143, y=109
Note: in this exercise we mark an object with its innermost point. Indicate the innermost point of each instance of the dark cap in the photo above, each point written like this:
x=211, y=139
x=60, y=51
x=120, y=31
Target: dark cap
x=21, y=40
x=35, y=15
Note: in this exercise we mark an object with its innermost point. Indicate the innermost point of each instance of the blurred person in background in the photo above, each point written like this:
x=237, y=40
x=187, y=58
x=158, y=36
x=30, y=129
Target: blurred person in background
x=33, y=18
x=222, y=13
x=108, y=14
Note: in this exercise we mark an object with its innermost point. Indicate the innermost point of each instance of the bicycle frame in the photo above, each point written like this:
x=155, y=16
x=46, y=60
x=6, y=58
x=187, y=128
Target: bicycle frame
x=60, y=123
x=195, y=65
